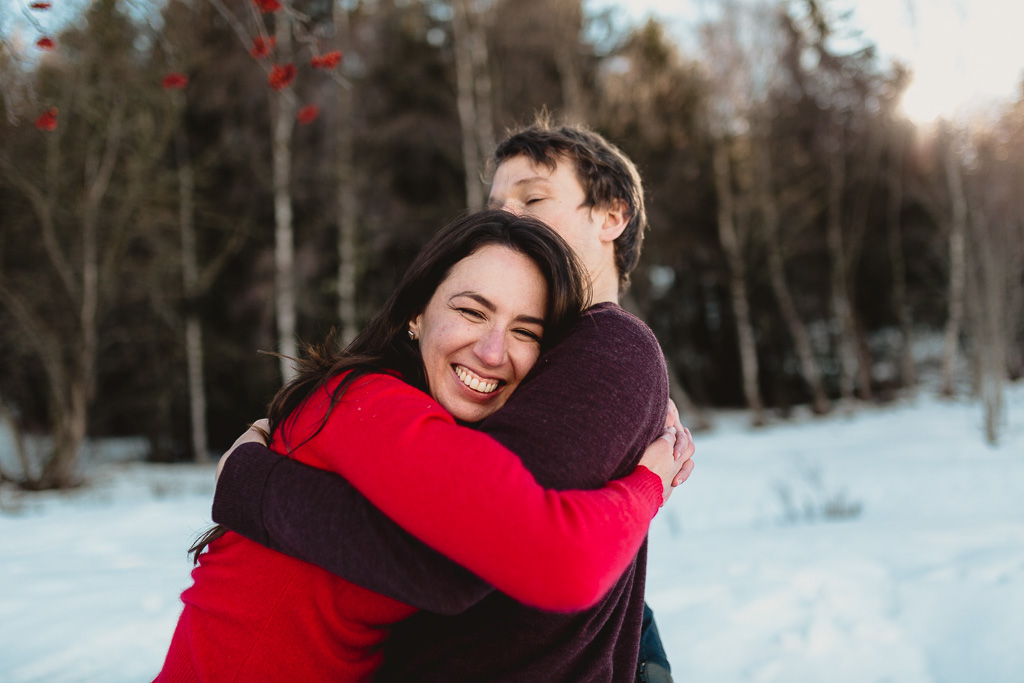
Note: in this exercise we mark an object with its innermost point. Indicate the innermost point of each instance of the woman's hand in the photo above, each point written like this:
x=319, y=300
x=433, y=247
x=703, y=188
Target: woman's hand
x=258, y=432
x=670, y=457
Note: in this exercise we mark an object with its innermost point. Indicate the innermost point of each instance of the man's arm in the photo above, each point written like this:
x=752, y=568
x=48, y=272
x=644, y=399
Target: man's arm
x=582, y=417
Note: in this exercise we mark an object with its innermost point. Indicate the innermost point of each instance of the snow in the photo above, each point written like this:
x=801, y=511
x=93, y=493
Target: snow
x=883, y=546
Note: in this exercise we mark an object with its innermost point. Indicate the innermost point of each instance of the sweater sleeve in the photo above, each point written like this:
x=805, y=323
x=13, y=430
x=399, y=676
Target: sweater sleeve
x=590, y=407
x=316, y=516
x=260, y=494
x=472, y=499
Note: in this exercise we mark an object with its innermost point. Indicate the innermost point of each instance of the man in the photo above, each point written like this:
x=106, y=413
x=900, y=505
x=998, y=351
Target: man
x=583, y=416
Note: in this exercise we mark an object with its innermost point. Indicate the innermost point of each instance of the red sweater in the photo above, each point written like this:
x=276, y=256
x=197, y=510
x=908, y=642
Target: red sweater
x=255, y=614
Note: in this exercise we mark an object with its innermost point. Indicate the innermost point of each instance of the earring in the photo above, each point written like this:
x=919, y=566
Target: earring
x=412, y=335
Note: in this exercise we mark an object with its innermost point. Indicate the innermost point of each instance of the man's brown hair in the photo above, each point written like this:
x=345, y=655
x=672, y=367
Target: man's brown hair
x=603, y=170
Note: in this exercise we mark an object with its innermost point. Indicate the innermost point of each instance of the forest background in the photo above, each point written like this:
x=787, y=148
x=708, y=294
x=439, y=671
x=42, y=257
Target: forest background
x=183, y=184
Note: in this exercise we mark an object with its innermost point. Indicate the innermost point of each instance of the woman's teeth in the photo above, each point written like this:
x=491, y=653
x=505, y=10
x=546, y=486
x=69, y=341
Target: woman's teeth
x=484, y=386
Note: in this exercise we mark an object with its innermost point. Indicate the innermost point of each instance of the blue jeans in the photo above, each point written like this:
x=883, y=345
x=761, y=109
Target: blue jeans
x=652, y=664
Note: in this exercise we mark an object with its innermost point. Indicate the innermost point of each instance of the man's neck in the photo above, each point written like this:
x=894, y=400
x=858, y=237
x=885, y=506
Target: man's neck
x=604, y=285
x=608, y=297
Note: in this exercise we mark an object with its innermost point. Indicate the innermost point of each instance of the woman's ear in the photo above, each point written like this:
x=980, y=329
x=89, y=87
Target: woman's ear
x=414, y=327
x=616, y=217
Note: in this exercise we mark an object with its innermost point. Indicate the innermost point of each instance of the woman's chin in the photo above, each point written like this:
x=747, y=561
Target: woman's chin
x=472, y=410
x=472, y=415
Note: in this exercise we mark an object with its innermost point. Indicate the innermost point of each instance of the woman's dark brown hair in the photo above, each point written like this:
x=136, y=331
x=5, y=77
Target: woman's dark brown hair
x=384, y=344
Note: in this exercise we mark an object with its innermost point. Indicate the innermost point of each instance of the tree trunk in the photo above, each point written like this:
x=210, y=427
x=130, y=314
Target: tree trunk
x=483, y=88
x=988, y=269
x=870, y=165
x=573, y=99
x=698, y=420
x=780, y=287
x=71, y=416
x=1014, y=322
x=737, y=280
x=957, y=270
x=466, y=100
x=62, y=386
x=908, y=373
x=845, y=347
x=991, y=345
x=347, y=207
x=69, y=422
x=283, y=121
x=190, y=282
x=692, y=416
x=18, y=439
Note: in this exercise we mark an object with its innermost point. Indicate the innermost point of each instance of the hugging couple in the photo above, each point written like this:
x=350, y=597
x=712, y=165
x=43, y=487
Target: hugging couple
x=467, y=486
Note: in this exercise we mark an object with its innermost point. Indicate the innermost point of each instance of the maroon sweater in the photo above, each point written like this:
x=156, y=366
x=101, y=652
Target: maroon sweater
x=583, y=416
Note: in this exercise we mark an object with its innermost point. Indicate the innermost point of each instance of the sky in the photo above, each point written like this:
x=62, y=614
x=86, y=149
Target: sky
x=964, y=53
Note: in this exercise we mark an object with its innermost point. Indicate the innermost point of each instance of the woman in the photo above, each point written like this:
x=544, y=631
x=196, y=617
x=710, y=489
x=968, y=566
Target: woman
x=466, y=324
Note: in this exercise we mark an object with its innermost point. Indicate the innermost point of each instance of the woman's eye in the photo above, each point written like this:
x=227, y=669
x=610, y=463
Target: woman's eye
x=528, y=335
x=471, y=313
x=534, y=200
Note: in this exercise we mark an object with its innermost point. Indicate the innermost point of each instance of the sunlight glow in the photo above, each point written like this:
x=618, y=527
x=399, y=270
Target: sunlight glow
x=964, y=55
x=929, y=98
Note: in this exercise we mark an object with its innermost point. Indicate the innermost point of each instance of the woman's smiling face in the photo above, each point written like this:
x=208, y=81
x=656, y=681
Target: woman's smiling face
x=480, y=332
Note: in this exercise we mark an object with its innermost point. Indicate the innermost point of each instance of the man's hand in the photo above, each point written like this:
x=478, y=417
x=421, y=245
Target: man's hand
x=669, y=458
x=684, y=447
x=258, y=432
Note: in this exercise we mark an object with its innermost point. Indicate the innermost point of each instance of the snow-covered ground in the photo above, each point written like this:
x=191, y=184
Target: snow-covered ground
x=888, y=546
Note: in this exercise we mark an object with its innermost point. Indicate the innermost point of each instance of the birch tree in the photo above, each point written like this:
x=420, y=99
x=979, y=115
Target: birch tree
x=957, y=231
x=282, y=117
x=289, y=25
x=995, y=265
x=347, y=207
x=845, y=85
x=651, y=105
x=841, y=304
x=197, y=278
x=567, y=19
x=899, y=140
x=730, y=104
x=473, y=81
x=81, y=246
x=768, y=204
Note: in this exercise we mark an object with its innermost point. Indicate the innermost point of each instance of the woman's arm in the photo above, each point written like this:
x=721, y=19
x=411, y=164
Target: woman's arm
x=472, y=499
x=365, y=545
x=315, y=515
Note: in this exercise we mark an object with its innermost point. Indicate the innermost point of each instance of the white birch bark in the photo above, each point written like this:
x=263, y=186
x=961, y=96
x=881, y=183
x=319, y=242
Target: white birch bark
x=847, y=355
x=191, y=290
x=283, y=123
x=466, y=101
x=573, y=99
x=74, y=384
x=483, y=89
x=897, y=262
x=347, y=206
x=737, y=280
x=957, y=270
x=780, y=287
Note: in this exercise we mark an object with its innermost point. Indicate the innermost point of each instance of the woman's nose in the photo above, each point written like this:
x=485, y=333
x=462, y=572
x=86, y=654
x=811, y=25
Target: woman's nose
x=490, y=348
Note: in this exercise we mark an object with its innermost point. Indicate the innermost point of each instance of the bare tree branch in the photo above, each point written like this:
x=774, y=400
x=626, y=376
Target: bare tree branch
x=44, y=214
